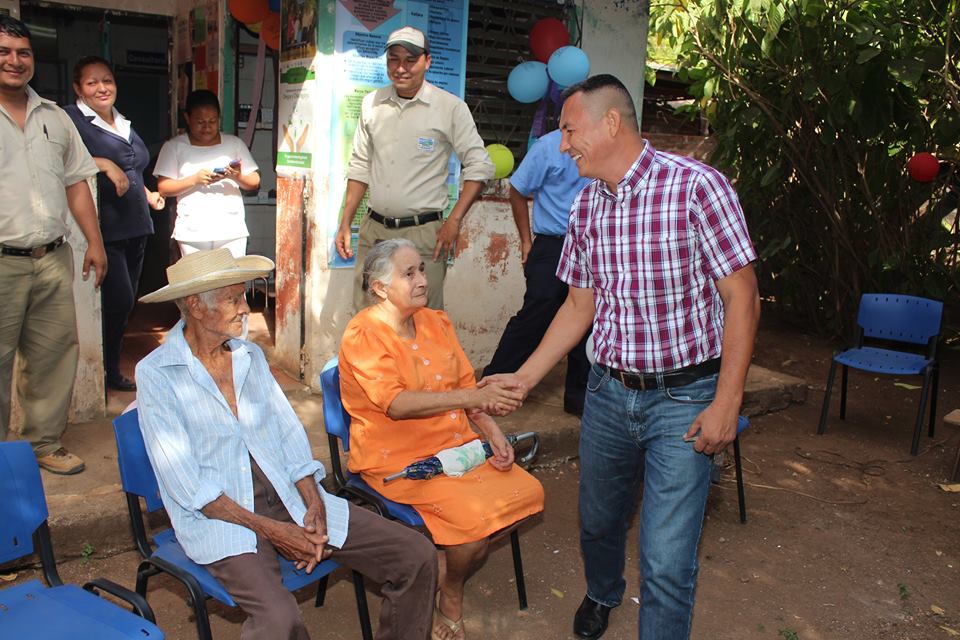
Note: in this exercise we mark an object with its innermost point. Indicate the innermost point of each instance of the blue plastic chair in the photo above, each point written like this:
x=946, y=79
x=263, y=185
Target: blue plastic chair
x=890, y=319
x=166, y=555
x=32, y=610
x=337, y=423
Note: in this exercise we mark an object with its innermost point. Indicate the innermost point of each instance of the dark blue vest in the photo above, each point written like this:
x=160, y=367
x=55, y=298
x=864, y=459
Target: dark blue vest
x=123, y=217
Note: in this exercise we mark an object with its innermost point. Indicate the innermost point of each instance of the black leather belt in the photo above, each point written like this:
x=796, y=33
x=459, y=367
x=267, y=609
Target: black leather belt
x=36, y=252
x=677, y=378
x=406, y=221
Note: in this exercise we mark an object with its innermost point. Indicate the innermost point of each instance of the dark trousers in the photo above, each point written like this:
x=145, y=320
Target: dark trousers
x=523, y=333
x=402, y=560
x=118, y=295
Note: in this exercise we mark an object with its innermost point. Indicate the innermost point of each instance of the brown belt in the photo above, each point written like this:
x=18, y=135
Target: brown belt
x=35, y=252
x=677, y=378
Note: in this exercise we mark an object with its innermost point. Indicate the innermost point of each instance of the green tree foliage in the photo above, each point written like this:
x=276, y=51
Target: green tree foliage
x=816, y=106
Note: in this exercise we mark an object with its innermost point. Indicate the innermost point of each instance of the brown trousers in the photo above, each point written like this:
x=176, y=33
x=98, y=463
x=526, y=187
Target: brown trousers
x=402, y=560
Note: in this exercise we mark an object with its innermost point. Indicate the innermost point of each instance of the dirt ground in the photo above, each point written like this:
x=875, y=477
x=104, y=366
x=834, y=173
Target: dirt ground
x=848, y=536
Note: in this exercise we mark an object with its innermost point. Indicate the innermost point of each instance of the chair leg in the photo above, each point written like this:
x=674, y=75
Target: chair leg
x=843, y=393
x=921, y=410
x=826, y=398
x=739, y=469
x=321, y=591
x=362, y=609
x=933, y=399
x=518, y=569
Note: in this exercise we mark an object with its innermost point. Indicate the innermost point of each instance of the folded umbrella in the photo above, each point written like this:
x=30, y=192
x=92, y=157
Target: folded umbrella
x=456, y=461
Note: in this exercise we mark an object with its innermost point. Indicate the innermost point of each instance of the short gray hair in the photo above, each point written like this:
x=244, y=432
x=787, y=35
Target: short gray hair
x=208, y=298
x=378, y=265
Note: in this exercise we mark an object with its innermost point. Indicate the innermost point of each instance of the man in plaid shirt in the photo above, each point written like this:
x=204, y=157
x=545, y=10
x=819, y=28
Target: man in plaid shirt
x=658, y=259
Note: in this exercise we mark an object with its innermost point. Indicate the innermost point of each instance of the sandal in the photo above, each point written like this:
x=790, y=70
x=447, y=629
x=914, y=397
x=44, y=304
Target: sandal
x=453, y=625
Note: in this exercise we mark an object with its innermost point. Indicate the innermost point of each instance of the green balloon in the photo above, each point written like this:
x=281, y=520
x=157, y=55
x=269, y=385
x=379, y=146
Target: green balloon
x=502, y=159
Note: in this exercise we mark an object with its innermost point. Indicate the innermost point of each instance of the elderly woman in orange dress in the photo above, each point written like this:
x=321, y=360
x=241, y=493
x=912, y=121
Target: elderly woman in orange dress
x=411, y=392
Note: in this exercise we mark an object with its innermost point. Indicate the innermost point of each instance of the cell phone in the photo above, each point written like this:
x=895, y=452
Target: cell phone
x=220, y=171
x=234, y=164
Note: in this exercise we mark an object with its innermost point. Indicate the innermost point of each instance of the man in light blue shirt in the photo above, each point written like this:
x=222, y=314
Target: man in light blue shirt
x=235, y=469
x=553, y=180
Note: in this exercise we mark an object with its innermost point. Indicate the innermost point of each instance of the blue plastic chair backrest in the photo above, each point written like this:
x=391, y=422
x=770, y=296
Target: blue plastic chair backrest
x=900, y=318
x=136, y=472
x=335, y=417
x=23, y=505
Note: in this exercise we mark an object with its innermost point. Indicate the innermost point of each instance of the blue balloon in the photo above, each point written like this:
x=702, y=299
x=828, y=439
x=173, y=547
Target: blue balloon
x=528, y=81
x=275, y=5
x=568, y=65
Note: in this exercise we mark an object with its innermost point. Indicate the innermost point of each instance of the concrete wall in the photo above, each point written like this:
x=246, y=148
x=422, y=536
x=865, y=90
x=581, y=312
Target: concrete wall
x=615, y=39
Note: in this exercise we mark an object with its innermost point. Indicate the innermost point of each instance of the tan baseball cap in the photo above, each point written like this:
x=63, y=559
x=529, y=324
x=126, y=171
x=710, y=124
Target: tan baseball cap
x=413, y=40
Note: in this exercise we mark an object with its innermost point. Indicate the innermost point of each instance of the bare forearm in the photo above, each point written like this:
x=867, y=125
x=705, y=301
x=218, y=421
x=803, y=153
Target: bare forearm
x=521, y=214
x=307, y=486
x=570, y=324
x=80, y=201
x=420, y=404
x=468, y=195
x=224, y=508
x=741, y=311
x=355, y=192
x=168, y=187
x=250, y=181
x=104, y=164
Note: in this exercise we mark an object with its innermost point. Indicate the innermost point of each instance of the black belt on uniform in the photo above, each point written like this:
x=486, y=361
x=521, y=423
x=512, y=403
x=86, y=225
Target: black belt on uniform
x=406, y=221
x=35, y=252
x=677, y=378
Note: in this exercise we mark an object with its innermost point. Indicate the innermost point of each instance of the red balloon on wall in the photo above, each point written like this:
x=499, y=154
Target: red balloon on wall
x=270, y=30
x=548, y=35
x=923, y=167
x=249, y=11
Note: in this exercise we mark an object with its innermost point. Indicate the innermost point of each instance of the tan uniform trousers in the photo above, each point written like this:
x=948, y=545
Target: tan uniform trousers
x=424, y=237
x=38, y=318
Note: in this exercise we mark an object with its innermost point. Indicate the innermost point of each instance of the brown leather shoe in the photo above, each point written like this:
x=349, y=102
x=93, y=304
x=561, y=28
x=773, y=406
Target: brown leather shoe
x=62, y=462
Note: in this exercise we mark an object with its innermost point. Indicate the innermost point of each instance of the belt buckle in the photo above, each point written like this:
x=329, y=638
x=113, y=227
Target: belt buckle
x=395, y=222
x=39, y=252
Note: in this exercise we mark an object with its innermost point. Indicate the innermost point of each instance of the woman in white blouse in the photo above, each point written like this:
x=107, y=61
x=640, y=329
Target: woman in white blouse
x=206, y=171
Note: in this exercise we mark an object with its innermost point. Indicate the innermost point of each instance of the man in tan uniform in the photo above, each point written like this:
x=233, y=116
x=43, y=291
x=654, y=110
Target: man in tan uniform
x=401, y=153
x=44, y=165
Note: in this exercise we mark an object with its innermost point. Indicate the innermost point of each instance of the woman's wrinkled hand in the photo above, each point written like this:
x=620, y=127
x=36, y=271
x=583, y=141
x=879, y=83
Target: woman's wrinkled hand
x=502, y=458
x=499, y=398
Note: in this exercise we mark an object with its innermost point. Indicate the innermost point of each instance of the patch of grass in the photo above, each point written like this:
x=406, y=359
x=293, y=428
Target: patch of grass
x=904, y=591
x=789, y=634
x=86, y=553
x=761, y=628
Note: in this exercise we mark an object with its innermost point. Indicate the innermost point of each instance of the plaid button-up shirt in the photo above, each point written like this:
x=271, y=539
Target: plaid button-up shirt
x=652, y=253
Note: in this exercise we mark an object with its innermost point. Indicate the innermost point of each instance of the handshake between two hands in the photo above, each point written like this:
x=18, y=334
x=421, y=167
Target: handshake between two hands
x=501, y=393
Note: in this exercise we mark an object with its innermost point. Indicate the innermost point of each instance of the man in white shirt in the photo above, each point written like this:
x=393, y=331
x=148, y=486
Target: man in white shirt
x=45, y=167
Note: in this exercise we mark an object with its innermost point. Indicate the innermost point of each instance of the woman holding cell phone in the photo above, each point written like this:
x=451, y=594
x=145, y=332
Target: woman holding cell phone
x=207, y=170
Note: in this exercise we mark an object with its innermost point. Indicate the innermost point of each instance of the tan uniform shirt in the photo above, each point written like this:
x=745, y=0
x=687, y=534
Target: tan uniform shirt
x=401, y=149
x=37, y=163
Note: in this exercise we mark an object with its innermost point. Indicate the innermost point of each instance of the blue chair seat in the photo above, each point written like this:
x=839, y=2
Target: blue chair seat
x=396, y=511
x=885, y=361
x=31, y=610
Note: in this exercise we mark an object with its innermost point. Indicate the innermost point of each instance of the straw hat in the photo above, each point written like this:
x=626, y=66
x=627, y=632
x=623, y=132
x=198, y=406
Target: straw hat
x=209, y=270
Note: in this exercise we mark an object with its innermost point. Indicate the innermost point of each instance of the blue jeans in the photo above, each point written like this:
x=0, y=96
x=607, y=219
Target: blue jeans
x=626, y=434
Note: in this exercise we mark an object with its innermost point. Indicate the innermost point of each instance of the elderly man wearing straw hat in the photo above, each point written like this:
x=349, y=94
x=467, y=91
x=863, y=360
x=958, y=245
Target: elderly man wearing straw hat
x=236, y=472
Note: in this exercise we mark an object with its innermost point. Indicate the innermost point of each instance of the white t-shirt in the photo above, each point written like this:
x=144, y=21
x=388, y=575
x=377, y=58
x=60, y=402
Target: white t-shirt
x=213, y=212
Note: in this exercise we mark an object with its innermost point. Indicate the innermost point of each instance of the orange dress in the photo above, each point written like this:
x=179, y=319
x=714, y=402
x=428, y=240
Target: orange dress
x=375, y=366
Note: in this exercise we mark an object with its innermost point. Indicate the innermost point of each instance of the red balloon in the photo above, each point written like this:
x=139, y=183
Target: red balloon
x=249, y=11
x=923, y=167
x=270, y=30
x=548, y=35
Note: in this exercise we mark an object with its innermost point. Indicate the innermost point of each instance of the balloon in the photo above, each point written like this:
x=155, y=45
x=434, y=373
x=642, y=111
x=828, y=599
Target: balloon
x=923, y=167
x=568, y=65
x=528, y=81
x=274, y=5
x=548, y=35
x=502, y=159
x=249, y=11
x=270, y=30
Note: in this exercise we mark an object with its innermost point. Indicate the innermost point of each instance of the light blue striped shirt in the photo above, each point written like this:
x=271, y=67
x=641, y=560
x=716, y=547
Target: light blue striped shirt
x=200, y=451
